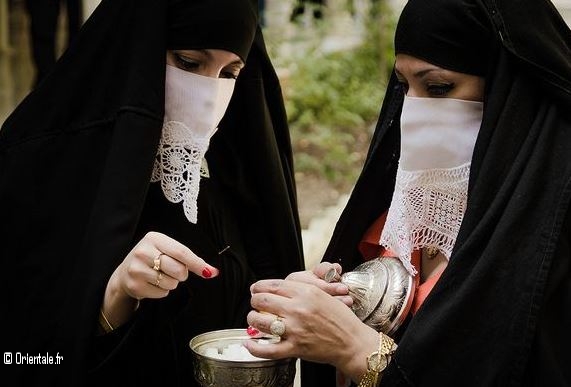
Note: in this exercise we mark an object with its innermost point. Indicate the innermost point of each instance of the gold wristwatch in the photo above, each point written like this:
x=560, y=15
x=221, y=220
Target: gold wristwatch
x=378, y=361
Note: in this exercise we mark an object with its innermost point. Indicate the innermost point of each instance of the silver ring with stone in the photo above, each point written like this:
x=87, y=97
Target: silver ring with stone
x=277, y=327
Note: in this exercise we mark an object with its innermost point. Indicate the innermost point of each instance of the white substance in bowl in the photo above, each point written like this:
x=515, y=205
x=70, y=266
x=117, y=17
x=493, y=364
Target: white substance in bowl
x=234, y=352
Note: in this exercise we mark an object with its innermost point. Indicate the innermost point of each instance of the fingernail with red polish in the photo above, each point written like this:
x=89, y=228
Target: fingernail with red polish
x=206, y=273
x=252, y=331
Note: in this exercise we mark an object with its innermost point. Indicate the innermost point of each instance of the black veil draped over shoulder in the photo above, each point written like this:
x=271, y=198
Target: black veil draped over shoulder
x=76, y=158
x=500, y=313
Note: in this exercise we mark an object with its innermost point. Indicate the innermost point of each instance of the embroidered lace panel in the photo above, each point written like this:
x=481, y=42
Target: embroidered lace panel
x=426, y=210
x=178, y=166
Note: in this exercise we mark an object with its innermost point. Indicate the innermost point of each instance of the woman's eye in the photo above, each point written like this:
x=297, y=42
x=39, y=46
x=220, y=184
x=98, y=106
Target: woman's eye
x=186, y=64
x=439, y=89
x=229, y=74
x=403, y=86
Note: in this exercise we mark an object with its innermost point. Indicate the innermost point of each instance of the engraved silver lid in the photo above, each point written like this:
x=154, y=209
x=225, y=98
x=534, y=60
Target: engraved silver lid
x=382, y=291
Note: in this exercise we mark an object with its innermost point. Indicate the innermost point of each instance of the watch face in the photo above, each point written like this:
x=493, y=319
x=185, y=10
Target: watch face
x=377, y=362
x=383, y=363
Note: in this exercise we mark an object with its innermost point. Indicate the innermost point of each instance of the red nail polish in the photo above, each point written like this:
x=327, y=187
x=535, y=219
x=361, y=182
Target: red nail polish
x=206, y=273
x=252, y=331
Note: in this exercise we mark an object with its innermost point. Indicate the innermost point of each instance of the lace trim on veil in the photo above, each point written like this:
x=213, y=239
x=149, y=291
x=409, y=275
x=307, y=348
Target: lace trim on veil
x=178, y=166
x=426, y=210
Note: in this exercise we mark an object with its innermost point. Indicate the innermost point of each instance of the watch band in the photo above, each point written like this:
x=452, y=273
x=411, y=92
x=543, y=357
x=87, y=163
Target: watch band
x=378, y=361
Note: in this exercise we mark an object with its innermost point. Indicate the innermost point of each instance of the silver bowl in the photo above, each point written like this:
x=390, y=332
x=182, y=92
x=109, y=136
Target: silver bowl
x=211, y=371
x=382, y=291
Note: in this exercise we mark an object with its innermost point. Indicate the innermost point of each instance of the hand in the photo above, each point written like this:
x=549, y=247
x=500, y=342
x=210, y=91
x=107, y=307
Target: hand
x=135, y=278
x=319, y=327
x=316, y=277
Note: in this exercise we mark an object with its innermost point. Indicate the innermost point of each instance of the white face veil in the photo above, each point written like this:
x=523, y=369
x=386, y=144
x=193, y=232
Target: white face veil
x=194, y=106
x=428, y=204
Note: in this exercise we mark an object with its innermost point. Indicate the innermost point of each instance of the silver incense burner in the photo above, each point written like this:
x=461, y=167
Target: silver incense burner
x=382, y=291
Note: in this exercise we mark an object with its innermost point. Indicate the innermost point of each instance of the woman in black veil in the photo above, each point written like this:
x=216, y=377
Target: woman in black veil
x=123, y=236
x=495, y=247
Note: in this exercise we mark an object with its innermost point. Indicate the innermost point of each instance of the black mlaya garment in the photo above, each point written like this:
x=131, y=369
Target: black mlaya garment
x=501, y=311
x=76, y=158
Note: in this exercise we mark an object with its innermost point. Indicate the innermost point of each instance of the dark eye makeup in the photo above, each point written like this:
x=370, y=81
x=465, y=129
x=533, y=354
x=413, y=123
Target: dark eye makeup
x=439, y=89
x=185, y=63
x=403, y=86
x=193, y=65
x=231, y=73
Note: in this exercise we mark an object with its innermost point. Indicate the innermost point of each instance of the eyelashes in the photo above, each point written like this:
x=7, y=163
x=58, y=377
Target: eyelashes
x=229, y=75
x=439, y=89
x=187, y=64
x=430, y=89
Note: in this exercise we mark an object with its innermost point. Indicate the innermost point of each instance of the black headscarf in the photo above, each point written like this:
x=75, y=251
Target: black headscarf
x=499, y=314
x=76, y=158
x=230, y=25
x=460, y=28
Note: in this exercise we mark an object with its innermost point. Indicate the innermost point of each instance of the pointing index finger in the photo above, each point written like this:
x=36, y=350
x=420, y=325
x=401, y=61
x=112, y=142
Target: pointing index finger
x=183, y=254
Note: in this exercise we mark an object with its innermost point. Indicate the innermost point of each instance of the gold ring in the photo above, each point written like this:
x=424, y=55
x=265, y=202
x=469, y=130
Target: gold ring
x=157, y=262
x=159, y=277
x=277, y=327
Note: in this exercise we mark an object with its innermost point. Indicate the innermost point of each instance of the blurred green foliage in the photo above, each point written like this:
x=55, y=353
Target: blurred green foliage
x=333, y=100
